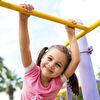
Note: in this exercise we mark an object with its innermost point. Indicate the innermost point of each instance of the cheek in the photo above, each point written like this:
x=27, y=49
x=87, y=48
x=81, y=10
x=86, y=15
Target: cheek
x=42, y=62
x=59, y=71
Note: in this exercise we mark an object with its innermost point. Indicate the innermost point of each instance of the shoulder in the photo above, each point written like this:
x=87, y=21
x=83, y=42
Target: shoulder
x=32, y=69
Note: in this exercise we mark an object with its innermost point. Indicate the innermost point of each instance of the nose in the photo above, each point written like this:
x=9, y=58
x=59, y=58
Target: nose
x=51, y=65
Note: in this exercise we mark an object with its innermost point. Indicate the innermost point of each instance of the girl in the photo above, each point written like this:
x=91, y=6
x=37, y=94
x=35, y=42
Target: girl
x=43, y=80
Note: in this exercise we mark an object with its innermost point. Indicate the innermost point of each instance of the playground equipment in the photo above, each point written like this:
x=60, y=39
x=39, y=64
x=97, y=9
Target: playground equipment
x=85, y=29
x=91, y=94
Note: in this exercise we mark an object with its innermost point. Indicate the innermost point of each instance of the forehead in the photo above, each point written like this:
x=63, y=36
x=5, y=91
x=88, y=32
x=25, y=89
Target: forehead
x=57, y=55
x=55, y=51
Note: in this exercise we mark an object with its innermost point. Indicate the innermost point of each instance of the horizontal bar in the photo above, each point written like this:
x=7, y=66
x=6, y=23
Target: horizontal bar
x=41, y=15
x=82, y=33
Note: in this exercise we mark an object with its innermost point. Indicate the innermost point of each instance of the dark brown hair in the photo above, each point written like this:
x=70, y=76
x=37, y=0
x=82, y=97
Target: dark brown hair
x=72, y=81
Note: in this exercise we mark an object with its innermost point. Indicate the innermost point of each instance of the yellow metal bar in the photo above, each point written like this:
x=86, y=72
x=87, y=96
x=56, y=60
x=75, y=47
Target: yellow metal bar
x=82, y=33
x=61, y=92
x=41, y=15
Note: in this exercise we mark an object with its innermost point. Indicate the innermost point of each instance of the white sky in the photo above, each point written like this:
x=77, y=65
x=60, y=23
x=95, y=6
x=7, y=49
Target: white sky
x=85, y=10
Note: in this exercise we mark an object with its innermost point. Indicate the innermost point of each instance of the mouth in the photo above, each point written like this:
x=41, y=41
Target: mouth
x=48, y=70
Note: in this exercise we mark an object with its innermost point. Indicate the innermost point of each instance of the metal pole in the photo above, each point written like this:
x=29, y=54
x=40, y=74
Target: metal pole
x=69, y=93
x=42, y=15
x=87, y=77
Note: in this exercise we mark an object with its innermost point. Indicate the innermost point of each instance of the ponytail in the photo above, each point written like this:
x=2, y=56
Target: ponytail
x=42, y=52
x=73, y=84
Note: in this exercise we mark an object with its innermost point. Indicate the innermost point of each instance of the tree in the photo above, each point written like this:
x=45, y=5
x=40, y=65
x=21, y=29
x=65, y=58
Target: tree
x=9, y=81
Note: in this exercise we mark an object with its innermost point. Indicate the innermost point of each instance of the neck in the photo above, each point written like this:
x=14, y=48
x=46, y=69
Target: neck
x=45, y=81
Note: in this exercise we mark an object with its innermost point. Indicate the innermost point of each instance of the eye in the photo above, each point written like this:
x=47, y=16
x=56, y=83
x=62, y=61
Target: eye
x=58, y=65
x=49, y=58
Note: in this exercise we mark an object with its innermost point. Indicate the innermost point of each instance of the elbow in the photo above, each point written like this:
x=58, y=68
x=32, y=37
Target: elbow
x=76, y=61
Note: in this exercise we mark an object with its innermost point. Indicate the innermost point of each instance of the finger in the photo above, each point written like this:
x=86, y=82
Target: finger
x=27, y=7
x=73, y=21
x=30, y=7
x=69, y=27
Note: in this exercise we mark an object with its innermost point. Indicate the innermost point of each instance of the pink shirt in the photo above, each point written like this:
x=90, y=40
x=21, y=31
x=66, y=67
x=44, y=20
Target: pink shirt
x=33, y=89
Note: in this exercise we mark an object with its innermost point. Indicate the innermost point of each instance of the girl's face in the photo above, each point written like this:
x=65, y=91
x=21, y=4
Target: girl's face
x=53, y=63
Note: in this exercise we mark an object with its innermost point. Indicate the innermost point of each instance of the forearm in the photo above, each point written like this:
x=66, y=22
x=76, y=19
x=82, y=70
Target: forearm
x=24, y=41
x=23, y=33
x=74, y=47
x=75, y=55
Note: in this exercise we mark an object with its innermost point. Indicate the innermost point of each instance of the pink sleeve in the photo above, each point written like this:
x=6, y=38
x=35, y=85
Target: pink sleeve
x=32, y=70
x=28, y=68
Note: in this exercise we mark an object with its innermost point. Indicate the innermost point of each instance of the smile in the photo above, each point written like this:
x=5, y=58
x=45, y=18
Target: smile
x=48, y=70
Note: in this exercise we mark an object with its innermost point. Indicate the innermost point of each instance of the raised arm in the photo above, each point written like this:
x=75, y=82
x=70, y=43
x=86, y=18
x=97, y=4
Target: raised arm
x=24, y=40
x=75, y=54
